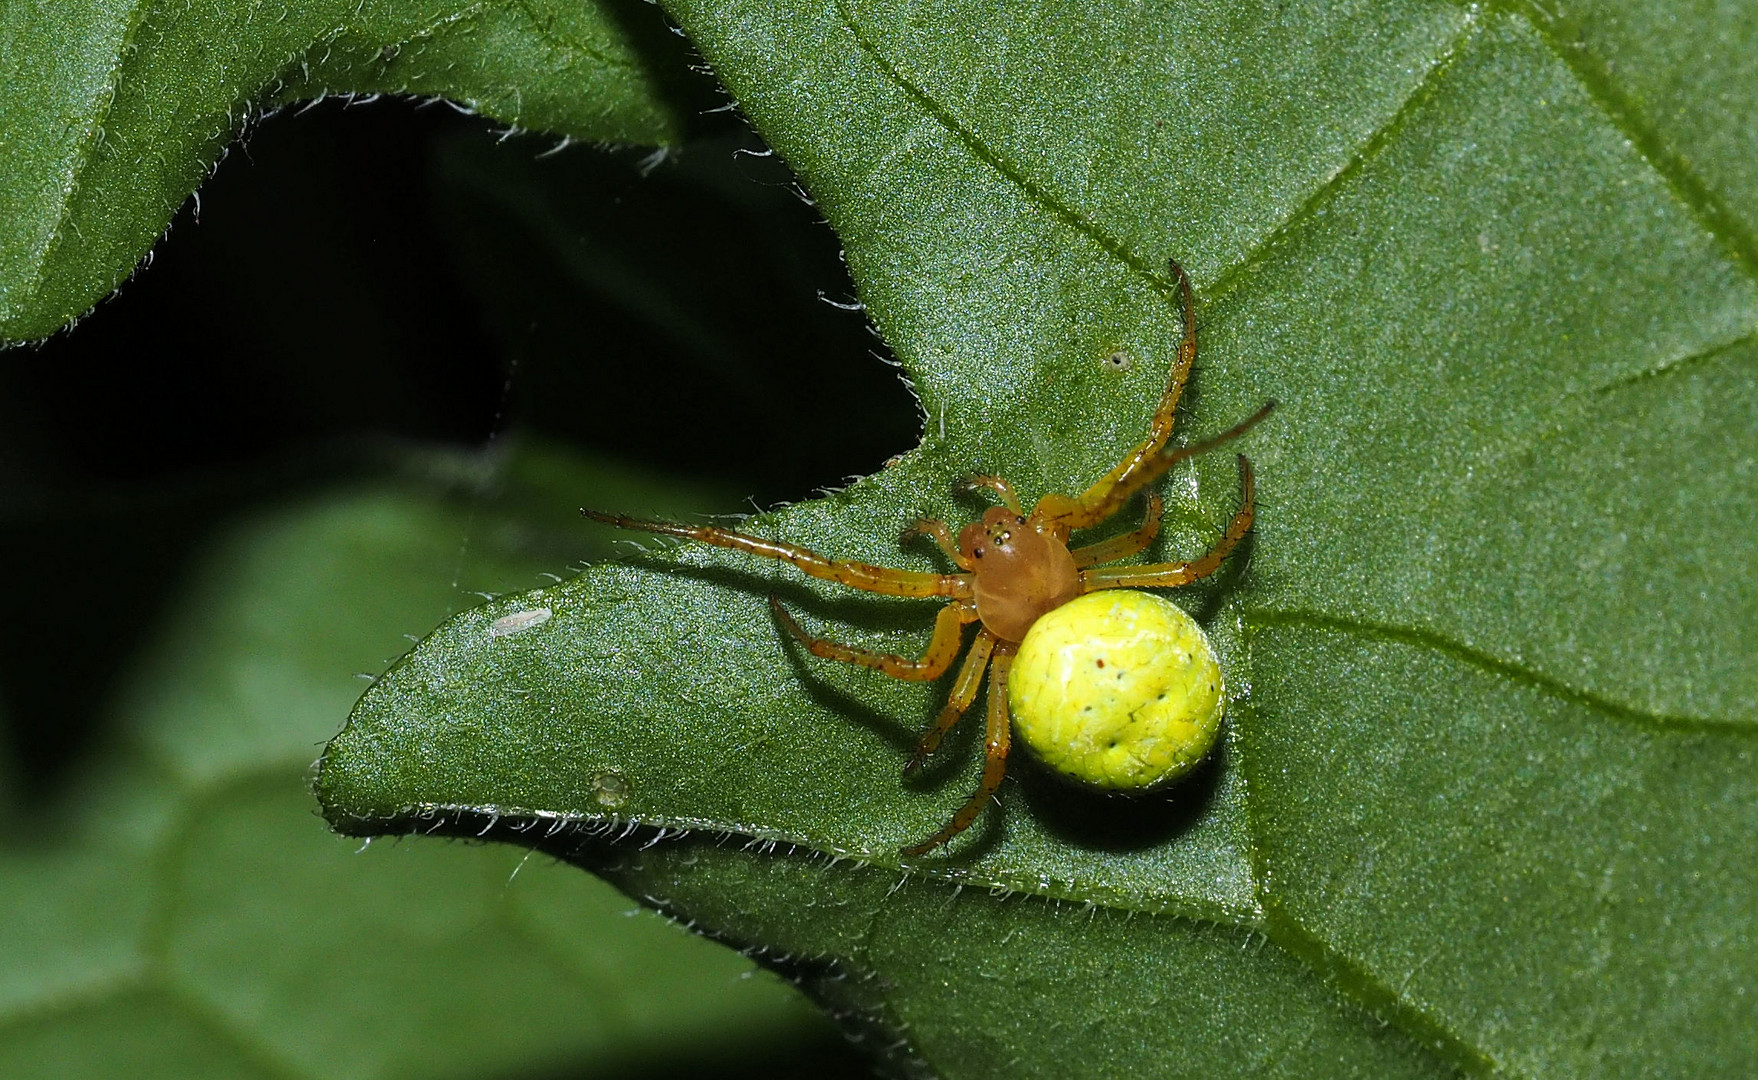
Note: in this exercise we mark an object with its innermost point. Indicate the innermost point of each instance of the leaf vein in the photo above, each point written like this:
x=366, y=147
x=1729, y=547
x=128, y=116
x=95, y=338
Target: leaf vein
x=1356, y=982
x=1369, y=149
x=89, y=145
x=224, y=1029
x=1735, y=235
x=1033, y=190
x=1494, y=665
x=1678, y=365
x=546, y=29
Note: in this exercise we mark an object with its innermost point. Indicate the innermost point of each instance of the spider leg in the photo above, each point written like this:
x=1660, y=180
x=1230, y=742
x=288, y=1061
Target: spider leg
x=1078, y=514
x=942, y=649
x=1166, y=575
x=1104, y=498
x=964, y=691
x=942, y=535
x=995, y=484
x=857, y=575
x=1161, y=428
x=1121, y=547
x=994, y=757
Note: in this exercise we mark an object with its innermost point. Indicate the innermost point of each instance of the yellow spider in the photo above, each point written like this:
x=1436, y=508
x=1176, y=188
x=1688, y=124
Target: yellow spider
x=1149, y=716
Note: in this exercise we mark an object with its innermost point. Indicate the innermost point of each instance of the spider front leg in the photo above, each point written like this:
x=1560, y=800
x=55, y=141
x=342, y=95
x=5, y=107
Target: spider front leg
x=856, y=575
x=1122, y=547
x=1113, y=489
x=994, y=757
x=1104, y=499
x=1165, y=414
x=941, y=652
x=1166, y=575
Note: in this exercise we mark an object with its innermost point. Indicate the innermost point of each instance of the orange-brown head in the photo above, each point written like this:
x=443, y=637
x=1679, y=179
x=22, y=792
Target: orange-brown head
x=1021, y=571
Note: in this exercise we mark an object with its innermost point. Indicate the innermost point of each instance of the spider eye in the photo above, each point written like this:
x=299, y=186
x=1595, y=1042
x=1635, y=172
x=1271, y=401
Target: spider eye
x=1017, y=520
x=977, y=553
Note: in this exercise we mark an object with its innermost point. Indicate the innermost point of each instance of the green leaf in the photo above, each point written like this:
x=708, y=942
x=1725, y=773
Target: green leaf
x=1681, y=87
x=181, y=913
x=1489, y=776
x=115, y=111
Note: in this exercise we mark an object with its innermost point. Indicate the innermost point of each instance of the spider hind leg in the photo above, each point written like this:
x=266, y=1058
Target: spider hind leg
x=964, y=691
x=995, y=743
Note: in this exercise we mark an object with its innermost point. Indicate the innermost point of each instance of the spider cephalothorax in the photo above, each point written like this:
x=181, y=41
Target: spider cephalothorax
x=1149, y=716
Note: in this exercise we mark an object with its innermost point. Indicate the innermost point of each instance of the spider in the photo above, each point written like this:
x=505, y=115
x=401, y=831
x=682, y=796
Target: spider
x=1018, y=574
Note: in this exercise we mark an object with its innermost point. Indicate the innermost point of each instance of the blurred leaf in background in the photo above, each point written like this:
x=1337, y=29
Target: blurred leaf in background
x=115, y=111
x=175, y=912
x=234, y=488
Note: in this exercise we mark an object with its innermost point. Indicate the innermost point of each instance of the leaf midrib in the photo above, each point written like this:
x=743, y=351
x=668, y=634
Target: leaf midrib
x=90, y=142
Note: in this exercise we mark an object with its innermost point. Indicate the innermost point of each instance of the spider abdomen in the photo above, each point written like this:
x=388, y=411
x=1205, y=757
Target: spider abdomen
x=1119, y=689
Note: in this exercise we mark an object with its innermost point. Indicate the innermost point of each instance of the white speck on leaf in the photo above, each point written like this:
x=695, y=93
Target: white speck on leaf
x=519, y=622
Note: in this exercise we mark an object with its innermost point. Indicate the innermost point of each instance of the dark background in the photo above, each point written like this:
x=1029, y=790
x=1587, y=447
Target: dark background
x=369, y=277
